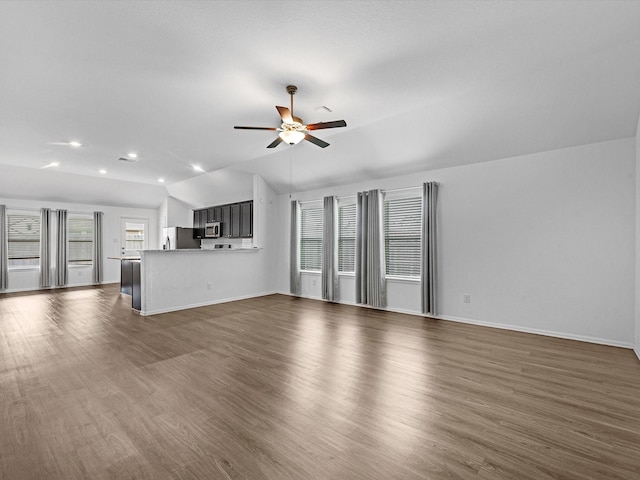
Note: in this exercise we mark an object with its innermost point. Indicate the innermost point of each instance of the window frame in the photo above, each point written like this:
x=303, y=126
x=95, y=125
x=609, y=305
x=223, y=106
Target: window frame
x=25, y=213
x=86, y=217
x=410, y=195
x=315, y=234
x=342, y=238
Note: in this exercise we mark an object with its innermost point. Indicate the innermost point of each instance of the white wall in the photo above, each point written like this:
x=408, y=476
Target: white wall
x=637, y=282
x=173, y=213
x=214, y=188
x=28, y=279
x=541, y=242
x=179, y=214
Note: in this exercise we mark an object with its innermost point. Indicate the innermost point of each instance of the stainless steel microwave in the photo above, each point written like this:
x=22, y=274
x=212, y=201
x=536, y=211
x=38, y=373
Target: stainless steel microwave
x=212, y=230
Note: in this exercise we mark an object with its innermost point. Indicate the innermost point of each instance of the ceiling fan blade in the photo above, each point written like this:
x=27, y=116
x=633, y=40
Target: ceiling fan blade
x=285, y=114
x=321, y=125
x=317, y=141
x=256, y=128
x=275, y=143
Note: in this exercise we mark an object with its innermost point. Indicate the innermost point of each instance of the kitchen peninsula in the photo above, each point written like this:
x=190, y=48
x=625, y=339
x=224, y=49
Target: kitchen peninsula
x=178, y=279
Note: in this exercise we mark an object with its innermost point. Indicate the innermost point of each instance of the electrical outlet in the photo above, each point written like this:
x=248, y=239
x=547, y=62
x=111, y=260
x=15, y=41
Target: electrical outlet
x=466, y=298
x=314, y=282
x=209, y=286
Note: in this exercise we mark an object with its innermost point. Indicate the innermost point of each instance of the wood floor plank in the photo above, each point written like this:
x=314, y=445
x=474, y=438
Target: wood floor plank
x=280, y=387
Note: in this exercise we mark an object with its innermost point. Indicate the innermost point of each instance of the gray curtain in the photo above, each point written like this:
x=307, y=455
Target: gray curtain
x=97, y=247
x=370, y=258
x=45, y=247
x=429, y=271
x=330, y=287
x=4, y=249
x=294, y=259
x=61, y=248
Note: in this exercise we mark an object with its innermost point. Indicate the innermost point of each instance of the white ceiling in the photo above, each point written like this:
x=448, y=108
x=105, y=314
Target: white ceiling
x=421, y=84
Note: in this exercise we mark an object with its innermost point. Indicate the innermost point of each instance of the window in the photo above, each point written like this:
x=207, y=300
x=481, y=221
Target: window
x=134, y=237
x=80, y=239
x=402, y=236
x=347, y=238
x=311, y=239
x=23, y=235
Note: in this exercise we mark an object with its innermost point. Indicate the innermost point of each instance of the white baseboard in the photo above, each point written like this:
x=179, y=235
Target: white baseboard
x=54, y=287
x=203, y=304
x=538, y=331
x=515, y=328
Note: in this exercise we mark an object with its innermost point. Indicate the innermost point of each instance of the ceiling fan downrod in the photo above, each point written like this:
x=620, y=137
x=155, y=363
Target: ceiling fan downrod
x=291, y=90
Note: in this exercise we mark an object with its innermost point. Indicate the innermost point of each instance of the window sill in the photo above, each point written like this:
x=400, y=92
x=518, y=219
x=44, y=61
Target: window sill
x=24, y=269
x=311, y=272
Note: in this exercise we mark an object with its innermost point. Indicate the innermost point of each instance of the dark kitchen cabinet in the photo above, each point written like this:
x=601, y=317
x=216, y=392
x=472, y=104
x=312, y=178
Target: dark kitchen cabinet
x=246, y=219
x=211, y=214
x=225, y=220
x=199, y=221
x=235, y=220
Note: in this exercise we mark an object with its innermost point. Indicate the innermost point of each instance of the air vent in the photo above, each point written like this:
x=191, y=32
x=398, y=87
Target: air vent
x=128, y=160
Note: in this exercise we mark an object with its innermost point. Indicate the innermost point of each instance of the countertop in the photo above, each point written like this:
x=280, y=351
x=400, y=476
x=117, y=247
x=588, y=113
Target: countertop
x=215, y=250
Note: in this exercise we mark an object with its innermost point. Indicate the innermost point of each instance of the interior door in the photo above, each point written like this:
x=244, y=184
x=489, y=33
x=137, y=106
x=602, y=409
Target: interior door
x=134, y=236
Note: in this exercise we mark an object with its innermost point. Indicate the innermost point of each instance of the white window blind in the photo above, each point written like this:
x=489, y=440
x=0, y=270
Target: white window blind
x=402, y=236
x=346, y=238
x=80, y=239
x=23, y=235
x=311, y=239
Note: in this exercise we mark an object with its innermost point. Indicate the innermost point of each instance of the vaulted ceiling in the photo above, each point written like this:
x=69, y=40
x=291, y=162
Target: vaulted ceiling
x=421, y=84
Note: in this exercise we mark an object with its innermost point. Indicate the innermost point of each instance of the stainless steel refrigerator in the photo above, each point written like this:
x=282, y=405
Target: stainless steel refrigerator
x=175, y=238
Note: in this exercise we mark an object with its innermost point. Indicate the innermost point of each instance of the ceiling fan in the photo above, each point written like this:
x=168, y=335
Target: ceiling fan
x=293, y=130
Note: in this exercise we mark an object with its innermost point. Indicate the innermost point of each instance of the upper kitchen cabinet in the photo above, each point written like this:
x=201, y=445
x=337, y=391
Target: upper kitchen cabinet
x=217, y=214
x=225, y=220
x=236, y=220
x=246, y=219
x=199, y=222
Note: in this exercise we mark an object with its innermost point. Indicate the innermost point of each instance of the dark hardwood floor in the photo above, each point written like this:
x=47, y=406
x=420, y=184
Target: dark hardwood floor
x=286, y=388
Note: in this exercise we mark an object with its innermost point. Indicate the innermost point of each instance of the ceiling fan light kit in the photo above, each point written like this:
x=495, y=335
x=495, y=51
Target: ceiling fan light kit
x=291, y=136
x=293, y=130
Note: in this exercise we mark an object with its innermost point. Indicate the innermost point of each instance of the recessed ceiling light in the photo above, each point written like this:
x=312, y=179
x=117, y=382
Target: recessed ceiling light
x=52, y=164
x=197, y=168
x=161, y=180
x=103, y=171
x=132, y=155
x=75, y=144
